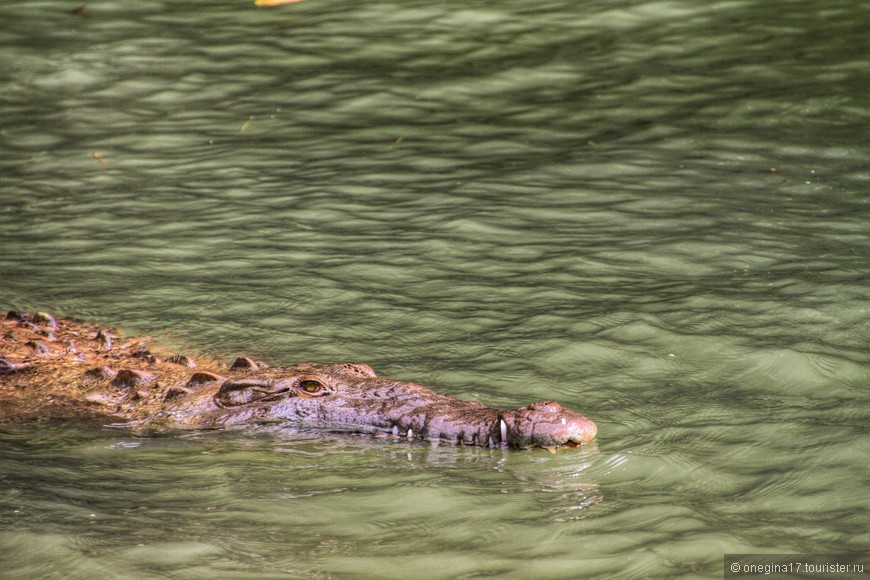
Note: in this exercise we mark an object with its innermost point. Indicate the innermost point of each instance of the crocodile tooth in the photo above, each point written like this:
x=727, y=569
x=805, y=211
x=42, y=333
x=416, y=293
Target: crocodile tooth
x=410, y=433
x=491, y=442
x=504, y=433
x=395, y=430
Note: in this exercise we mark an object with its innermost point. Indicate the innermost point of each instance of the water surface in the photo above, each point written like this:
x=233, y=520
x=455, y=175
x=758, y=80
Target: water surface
x=653, y=212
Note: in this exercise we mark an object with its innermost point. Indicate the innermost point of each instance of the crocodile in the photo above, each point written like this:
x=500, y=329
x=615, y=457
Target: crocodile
x=56, y=368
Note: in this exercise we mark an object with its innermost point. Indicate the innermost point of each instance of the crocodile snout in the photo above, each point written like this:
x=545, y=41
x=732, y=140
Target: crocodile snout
x=545, y=424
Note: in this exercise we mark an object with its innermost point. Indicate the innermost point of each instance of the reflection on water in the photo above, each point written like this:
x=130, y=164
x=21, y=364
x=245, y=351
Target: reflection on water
x=653, y=212
x=237, y=502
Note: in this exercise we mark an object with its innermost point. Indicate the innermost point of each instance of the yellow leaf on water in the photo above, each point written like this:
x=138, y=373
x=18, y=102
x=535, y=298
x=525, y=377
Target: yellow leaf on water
x=274, y=2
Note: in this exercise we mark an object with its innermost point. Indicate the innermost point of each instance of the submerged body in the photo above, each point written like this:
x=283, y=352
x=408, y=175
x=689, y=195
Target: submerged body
x=58, y=368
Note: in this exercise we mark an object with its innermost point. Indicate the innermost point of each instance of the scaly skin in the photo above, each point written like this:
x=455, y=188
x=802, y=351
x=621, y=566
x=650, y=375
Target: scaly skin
x=58, y=368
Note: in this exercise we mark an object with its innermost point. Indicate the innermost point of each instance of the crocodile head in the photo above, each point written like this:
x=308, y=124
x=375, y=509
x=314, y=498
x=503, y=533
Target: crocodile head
x=350, y=397
x=62, y=368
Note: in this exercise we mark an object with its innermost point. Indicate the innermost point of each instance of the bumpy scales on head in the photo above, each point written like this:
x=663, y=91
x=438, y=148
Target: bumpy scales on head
x=59, y=368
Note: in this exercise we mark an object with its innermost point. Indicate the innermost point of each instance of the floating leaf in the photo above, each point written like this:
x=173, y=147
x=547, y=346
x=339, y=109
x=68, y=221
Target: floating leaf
x=266, y=3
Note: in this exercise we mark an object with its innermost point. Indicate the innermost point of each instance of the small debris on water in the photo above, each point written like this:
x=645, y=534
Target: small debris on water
x=268, y=3
x=125, y=445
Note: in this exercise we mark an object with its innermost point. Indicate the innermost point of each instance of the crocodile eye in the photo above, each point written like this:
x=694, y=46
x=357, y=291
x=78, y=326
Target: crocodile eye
x=311, y=387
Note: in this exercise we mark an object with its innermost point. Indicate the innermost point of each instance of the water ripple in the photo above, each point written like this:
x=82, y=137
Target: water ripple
x=653, y=212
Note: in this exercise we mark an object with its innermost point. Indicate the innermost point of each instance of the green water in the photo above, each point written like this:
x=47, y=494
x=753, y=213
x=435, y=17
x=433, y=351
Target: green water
x=653, y=212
